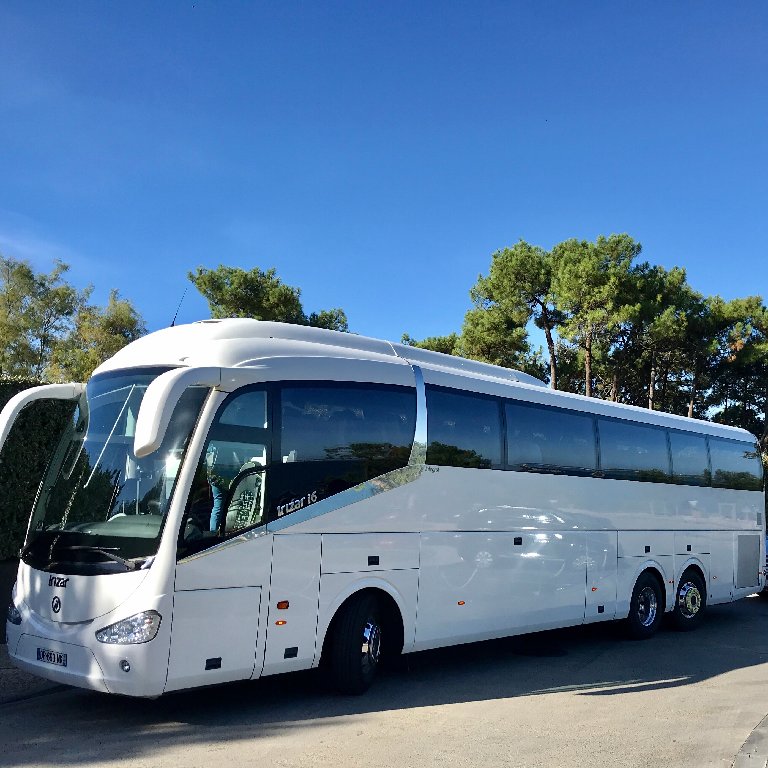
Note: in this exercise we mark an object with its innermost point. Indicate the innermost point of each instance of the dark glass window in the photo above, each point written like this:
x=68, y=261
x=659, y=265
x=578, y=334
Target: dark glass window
x=690, y=464
x=735, y=465
x=463, y=430
x=336, y=437
x=631, y=451
x=548, y=438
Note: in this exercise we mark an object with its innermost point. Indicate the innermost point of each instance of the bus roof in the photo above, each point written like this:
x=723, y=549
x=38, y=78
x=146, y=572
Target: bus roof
x=241, y=343
x=244, y=343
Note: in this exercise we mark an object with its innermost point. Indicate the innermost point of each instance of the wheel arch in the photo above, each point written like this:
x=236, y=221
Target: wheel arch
x=389, y=599
x=694, y=564
x=657, y=571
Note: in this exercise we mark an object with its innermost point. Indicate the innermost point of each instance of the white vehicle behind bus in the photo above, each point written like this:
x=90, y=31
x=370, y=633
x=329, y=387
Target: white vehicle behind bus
x=234, y=499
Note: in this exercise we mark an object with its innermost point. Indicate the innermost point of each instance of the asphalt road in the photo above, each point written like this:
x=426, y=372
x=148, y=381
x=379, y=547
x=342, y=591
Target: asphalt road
x=582, y=697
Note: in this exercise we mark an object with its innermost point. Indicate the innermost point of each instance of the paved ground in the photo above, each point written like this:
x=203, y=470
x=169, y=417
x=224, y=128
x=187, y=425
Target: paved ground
x=582, y=697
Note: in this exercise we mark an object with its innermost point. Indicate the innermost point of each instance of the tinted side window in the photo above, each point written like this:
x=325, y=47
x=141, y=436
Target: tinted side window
x=633, y=451
x=336, y=437
x=735, y=465
x=463, y=430
x=690, y=464
x=540, y=437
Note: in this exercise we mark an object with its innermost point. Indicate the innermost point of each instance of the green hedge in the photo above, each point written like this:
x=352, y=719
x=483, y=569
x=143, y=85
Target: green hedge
x=23, y=461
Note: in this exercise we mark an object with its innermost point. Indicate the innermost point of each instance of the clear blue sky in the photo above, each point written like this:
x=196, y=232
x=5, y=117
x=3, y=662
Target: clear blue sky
x=375, y=153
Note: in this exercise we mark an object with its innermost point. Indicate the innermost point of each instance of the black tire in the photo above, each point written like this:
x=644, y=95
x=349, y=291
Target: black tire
x=690, y=601
x=356, y=645
x=646, y=608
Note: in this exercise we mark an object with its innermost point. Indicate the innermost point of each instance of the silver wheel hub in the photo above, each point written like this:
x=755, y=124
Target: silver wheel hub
x=689, y=600
x=647, y=606
x=371, y=647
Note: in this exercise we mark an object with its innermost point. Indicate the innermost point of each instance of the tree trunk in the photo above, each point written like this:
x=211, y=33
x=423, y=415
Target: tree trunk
x=552, y=359
x=744, y=389
x=664, y=381
x=693, y=393
x=652, y=383
x=588, y=364
x=547, y=325
x=615, y=388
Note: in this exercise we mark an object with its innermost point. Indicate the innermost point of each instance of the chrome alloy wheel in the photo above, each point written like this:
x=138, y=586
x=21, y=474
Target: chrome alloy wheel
x=647, y=606
x=688, y=600
x=371, y=646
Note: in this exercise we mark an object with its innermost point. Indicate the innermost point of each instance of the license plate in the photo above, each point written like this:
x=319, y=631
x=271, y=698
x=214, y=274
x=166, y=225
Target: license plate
x=52, y=657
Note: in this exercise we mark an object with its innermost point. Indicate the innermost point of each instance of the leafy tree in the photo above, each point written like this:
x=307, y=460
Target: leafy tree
x=739, y=391
x=17, y=283
x=35, y=311
x=588, y=278
x=492, y=334
x=97, y=334
x=330, y=319
x=49, y=330
x=234, y=292
x=643, y=346
x=448, y=345
x=519, y=284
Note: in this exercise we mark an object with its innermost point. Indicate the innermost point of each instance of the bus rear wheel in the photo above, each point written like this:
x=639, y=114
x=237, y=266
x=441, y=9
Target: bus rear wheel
x=690, y=601
x=356, y=645
x=646, y=607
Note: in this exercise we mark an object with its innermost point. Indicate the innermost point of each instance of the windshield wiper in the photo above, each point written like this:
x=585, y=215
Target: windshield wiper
x=129, y=566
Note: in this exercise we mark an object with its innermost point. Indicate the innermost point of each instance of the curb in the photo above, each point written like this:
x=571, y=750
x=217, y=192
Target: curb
x=754, y=751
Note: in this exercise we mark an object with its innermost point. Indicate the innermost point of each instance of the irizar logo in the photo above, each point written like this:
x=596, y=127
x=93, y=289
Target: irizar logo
x=57, y=581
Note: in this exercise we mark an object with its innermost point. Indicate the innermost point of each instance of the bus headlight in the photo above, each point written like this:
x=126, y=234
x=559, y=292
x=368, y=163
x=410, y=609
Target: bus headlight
x=140, y=628
x=13, y=614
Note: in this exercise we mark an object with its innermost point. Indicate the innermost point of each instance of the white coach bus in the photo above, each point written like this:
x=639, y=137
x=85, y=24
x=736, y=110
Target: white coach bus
x=234, y=499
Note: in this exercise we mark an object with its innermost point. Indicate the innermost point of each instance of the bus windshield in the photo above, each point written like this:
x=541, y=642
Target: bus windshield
x=99, y=508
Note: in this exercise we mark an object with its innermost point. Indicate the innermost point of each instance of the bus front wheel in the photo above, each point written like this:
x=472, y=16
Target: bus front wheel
x=646, y=607
x=356, y=645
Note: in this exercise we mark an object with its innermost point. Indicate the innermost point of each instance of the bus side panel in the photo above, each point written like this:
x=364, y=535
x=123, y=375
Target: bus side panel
x=602, y=567
x=475, y=586
x=216, y=612
x=747, y=549
x=213, y=638
x=291, y=629
x=240, y=562
x=345, y=553
x=721, y=569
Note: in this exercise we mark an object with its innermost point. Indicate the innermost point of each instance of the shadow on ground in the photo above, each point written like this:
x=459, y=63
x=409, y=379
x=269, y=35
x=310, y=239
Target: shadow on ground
x=587, y=661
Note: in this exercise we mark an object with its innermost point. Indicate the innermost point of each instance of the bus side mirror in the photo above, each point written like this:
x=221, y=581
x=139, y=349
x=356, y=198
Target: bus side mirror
x=161, y=398
x=13, y=407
